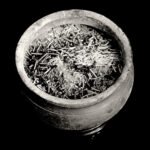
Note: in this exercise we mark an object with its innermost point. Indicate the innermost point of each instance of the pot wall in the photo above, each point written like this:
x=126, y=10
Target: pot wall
x=87, y=117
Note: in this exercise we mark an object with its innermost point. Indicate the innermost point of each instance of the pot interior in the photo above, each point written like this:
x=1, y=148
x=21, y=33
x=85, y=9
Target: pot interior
x=79, y=21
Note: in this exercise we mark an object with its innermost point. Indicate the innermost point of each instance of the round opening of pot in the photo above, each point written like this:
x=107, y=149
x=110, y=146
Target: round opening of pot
x=73, y=58
x=73, y=61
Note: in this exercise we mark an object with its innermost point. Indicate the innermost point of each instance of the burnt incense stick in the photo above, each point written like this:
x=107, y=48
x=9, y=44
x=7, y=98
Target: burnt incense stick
x=73, y=61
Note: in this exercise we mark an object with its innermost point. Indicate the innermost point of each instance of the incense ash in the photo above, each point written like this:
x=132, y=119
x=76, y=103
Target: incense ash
x=73, y=61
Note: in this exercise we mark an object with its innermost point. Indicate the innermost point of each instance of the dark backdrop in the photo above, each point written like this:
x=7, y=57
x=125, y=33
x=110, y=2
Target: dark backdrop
x=22, y=124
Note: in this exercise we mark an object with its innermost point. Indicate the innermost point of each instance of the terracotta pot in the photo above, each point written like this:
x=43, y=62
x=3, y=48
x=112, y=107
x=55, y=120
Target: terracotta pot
x=83, y=114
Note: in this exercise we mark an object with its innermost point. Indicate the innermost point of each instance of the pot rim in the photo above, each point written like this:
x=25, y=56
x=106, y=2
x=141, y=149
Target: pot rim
x=78, y=103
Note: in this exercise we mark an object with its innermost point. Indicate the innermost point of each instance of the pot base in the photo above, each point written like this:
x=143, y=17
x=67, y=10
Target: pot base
x=92, y=131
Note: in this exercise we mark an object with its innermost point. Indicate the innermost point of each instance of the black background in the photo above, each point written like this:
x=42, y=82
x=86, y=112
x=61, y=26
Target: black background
x=127, y=128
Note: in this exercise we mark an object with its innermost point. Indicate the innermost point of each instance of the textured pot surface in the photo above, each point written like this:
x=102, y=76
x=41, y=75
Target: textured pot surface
x=83, y=113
